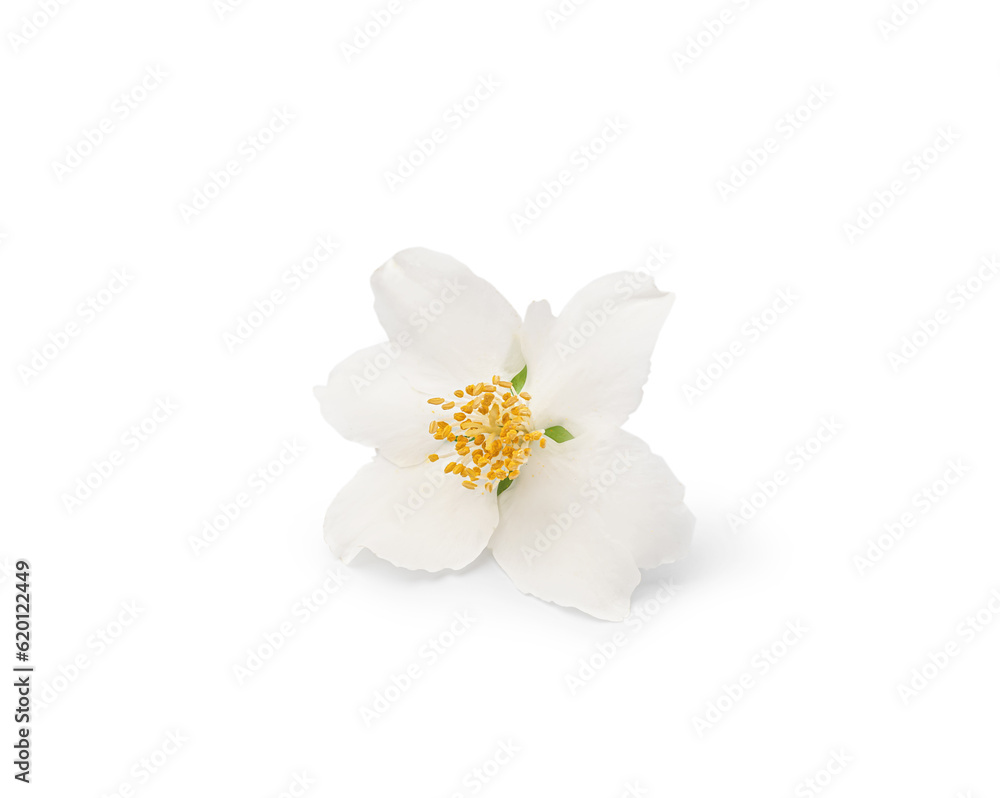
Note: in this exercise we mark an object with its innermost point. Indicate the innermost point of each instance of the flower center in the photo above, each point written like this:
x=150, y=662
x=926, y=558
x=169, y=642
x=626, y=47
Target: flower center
x=491, y=431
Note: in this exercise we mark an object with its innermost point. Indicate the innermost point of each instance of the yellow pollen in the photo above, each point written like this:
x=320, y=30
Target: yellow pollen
x=491, y=433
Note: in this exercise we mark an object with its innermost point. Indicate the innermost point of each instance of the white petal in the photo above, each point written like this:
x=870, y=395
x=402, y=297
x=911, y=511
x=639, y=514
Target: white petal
x=635, y=492
x=586, y=367
x=418, y=518
x=370, y=398
x=583, y=514
x=454, y=321
x=447, y=328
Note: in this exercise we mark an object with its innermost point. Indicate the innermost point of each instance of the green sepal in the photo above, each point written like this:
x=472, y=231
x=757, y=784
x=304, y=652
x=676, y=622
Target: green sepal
x=518, y=380
x=558, y=434
x=502, y=485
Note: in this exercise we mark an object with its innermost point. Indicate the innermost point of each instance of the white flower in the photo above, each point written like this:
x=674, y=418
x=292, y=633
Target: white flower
x=577, y=519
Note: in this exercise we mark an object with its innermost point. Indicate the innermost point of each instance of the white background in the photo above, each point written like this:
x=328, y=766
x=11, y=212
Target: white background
x=632, y=722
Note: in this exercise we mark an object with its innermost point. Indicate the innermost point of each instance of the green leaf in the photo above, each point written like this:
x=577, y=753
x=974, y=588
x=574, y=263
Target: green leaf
x=518, y=380
x=502, y=485
x=558, y=434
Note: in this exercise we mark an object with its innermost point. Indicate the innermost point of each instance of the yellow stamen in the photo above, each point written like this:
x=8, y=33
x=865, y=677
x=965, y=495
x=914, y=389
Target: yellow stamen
x=491, y=433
